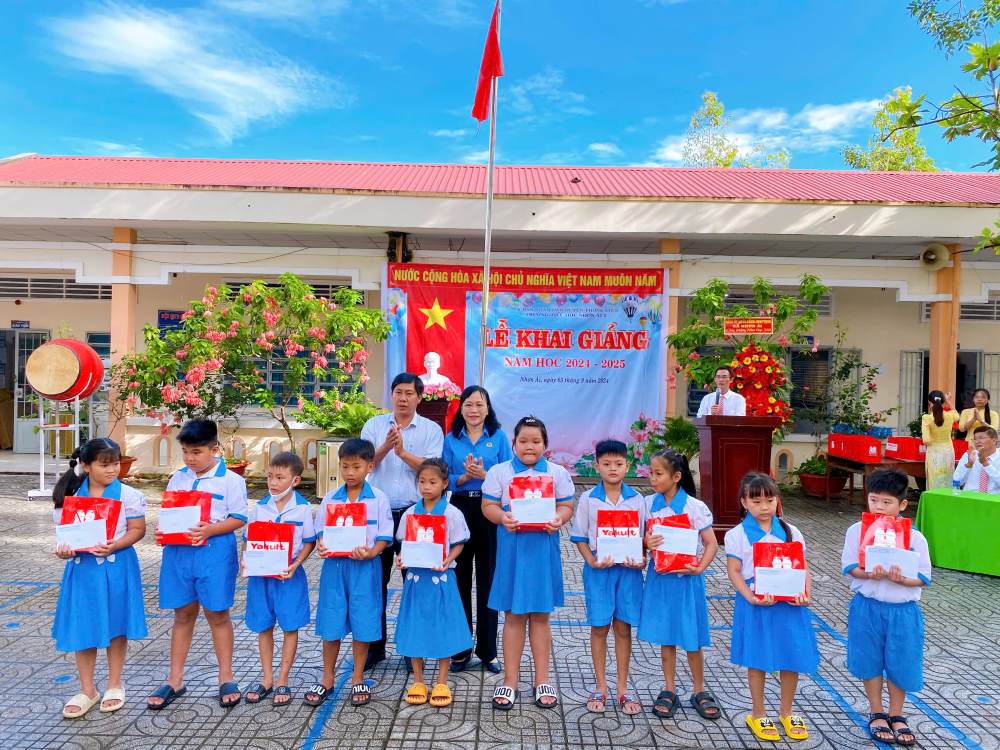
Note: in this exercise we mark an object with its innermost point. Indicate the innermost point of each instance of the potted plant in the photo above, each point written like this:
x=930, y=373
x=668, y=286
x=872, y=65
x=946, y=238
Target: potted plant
x=236, y=464
x=814, y=479
x=125, y=466
x=341, y=414
x=852, y=388
x=436, y=402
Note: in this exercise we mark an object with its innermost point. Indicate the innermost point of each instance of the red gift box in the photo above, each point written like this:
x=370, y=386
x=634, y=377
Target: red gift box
x=619, y=524
x=345, y=514
x=424, y=527
x=862, y=448
x=905, y=448
x=184, y=499
x=268, y=534
x=770, y=554
x=669, y=562
x=77, y=509
x=519, y=488
x=875, y=532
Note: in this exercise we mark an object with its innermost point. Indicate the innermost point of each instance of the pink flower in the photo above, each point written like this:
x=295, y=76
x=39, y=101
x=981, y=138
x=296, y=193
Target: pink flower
x=247, y=297
x=132, y=400
x=322, y=362
x=270, y=335
x=693, y=356
x=783, y=340
x=180, y=354
x=360, y=356
x=317, y=393
x=234, y=325
x=317, y=333
x=338, y=405
x=815, y=348
x=212, y=291
x=271, y=318
x=348, y=368
x=327, y=348
x=134, y=384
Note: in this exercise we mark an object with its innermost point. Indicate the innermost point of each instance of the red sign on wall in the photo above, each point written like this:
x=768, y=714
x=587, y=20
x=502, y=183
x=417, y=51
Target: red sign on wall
x=748, y=326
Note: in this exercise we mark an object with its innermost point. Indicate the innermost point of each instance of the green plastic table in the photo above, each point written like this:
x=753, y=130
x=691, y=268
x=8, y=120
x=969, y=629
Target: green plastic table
x=950, y=520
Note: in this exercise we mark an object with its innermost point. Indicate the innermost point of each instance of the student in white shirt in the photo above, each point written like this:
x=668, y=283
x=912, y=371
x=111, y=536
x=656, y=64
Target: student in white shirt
x=723, y=402
x=979, y=469
x=403, y=440
x=885, y=628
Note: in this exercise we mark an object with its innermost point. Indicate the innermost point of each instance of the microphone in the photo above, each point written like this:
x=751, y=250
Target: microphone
x=718, y=395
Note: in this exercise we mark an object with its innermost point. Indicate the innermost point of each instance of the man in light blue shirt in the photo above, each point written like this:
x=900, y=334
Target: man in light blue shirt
x=403, y=440
x=723, y=402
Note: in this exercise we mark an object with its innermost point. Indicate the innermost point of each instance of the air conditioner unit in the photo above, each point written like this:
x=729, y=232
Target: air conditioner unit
x=327, y=465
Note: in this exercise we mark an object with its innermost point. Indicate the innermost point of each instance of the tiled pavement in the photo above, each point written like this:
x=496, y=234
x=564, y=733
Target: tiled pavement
x=958, y=708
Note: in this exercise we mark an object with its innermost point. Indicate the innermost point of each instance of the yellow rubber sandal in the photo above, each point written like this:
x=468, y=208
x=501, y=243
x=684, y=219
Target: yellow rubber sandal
x=441, y=696
x=795, y=727
x=763, y=729
x=417, y=694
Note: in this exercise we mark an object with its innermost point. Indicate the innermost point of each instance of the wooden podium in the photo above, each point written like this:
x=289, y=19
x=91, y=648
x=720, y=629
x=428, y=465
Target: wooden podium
x=729, y=448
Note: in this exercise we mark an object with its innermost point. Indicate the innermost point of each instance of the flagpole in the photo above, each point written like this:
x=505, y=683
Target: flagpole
x=490, y=165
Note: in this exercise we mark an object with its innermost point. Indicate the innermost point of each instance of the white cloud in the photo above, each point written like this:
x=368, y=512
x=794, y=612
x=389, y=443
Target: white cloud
x=476, y=157
x=446, y=133
x=106, y=148
x=222, y=79
x=284, y=10
x=814, y=128
x=559, y=157
x=543, y=96
x=437, y=12
x=604, y=150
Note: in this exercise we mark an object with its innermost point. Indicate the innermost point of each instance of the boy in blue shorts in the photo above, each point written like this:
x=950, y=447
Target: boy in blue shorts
x=885, y=628
x=350, y=587
x=203, y=576
x=284, y=600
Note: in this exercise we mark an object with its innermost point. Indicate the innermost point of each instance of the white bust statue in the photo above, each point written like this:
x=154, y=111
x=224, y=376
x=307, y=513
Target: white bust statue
x=432, y=363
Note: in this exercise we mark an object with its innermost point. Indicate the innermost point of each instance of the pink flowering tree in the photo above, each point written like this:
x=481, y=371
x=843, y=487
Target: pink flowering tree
x=216, y=362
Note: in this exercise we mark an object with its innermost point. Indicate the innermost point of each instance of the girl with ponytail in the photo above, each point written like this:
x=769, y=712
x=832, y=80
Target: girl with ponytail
x=936, y=428
x=768, y=636
x=100, y=601
x=674, y=605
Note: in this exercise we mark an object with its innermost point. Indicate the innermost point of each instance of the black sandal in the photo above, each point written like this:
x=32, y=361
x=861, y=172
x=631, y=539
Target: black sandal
x=704, y=703
x=361, y=694
x=319, y=691
x=228, y=688
x=259, y=690
x=282, y=691
x=666, y=704
x=911, y=738
x=874, y=732
x=167, y=693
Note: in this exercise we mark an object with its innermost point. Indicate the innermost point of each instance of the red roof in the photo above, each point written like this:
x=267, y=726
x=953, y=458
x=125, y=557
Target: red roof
x=513, y=181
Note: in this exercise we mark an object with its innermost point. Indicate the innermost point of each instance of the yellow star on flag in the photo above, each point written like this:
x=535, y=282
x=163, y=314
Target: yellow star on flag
x=435, y=315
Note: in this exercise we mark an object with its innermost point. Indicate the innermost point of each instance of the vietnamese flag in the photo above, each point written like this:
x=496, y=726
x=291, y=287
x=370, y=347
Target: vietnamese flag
x=490, y=68
x=436, y=323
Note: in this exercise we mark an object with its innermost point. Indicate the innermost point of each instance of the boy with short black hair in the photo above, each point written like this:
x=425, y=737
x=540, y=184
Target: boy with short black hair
x=885, y=628
x=203, y=576
x=284, y=600
x=613, y=592
x=350, y=598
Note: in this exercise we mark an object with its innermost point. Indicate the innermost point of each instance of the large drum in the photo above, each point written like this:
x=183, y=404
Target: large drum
x=64, y=369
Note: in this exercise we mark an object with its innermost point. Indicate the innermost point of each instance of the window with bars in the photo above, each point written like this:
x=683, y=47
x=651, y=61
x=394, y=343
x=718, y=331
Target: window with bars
x=985, y=312
x=51, y=287
x=744, y=297
x=322, y=288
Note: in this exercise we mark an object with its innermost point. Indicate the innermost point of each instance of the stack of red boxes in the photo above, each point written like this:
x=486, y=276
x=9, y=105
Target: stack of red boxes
x=905, y=448
x=862, y=448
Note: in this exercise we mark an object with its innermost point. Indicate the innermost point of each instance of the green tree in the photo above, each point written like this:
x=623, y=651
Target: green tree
x=974, y=110
x=709, y=141
x=891, y=148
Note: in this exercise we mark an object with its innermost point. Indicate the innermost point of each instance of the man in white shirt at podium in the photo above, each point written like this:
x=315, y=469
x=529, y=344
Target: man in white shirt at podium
x=723, y=402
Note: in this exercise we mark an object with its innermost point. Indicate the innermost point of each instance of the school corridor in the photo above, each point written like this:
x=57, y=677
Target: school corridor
x=959, y=708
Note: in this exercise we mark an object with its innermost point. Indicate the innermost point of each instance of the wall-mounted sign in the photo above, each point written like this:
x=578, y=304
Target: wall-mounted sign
x=748, y=326
x=22, y=324
x=167, y=320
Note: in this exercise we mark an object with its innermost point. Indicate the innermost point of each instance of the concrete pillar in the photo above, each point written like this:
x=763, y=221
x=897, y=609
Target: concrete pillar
x=672, y=312
x=944, y=325
x=123, y=311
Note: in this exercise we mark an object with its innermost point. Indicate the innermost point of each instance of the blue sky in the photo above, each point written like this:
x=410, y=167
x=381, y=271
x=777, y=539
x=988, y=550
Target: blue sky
x=587, y=81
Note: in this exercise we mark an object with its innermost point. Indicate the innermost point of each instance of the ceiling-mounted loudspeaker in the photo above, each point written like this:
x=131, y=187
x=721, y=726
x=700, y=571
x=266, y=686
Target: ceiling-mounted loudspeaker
x=934, y=257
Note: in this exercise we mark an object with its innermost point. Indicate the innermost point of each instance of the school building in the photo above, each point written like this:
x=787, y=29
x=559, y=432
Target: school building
x=98, y=247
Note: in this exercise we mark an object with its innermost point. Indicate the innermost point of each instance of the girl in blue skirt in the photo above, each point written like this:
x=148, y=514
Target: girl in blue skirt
x=431, y=622
x=768, y=636
x=527, y=584
x=100, y=599
x=674, y=606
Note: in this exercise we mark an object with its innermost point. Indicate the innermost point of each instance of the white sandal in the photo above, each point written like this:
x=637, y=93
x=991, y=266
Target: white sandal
x=113, y=694
x=81, y=701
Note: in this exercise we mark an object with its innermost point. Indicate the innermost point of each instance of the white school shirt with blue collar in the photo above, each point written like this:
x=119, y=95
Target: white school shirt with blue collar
x=886, y=590
x=393, y=475
x=680, y=504
x=739, y=543
x=584, y=524
x=496, y=486
x=376, y=505
x=228, y=490
x=132, y=500
x=297, y=512
x=458, y=529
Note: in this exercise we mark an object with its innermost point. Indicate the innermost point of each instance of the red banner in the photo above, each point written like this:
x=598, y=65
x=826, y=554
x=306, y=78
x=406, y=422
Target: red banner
x=640, y=281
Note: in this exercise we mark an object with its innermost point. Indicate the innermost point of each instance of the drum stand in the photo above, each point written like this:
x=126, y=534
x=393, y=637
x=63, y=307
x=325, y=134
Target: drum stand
x=56, y=427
